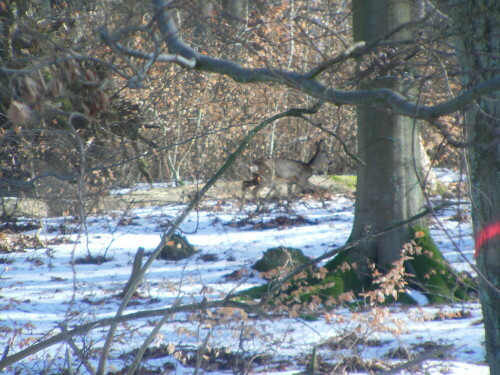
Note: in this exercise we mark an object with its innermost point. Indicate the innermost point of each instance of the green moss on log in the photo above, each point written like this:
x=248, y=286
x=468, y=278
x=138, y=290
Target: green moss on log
x=339, y=279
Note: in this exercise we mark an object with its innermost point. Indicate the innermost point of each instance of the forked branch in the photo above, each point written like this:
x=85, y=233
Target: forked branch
x=307, y=82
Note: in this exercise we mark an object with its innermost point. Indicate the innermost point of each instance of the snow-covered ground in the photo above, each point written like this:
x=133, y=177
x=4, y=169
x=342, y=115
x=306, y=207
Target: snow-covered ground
x=42, y=288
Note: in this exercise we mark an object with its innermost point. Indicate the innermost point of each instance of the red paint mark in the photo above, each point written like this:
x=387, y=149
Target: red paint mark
x=485, y=235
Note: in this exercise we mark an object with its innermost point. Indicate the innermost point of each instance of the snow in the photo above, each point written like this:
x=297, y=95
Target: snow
x=42, y=288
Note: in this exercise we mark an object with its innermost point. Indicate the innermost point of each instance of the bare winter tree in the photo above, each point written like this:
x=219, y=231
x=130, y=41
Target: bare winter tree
x=388, y=98
x=390, y=54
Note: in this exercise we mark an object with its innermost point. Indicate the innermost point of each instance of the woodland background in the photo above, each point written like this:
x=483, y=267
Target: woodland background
x=90, y=103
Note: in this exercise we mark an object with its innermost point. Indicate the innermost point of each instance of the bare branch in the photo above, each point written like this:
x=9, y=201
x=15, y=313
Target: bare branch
x=353, y=50
x=336, y=136
x=138, y=274
x=446, y=349
x=77, y=351
x=169, y=231
x=307, y=83
x=139, y=76
x=84, y=328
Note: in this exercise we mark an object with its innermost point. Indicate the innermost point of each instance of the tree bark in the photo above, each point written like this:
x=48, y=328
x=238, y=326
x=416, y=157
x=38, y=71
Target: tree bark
x=388, y=190
x=478, y=50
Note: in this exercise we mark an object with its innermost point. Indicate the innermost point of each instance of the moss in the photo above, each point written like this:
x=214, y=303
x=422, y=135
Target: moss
x=66, y=104
x=433, y=273
x=350, y=276
x=403, y=298
x=255, y=292
x=308, y=317
x=280, y=257
x=347, y=181
x=331, y=286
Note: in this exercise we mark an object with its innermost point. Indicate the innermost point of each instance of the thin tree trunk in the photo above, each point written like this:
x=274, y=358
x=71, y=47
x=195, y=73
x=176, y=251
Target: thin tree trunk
x=477, y=26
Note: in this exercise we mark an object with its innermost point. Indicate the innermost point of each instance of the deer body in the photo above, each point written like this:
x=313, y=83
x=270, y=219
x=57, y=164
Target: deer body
x=292, y=172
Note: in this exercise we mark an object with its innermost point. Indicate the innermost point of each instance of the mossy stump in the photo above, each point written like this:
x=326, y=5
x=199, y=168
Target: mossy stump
x=177, y=248
x=283, y=258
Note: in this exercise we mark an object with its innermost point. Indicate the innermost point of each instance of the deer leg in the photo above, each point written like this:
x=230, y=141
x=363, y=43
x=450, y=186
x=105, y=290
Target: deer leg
x=306, y=185
x=319, y=191
x=243, y=199
x=256, y=194
x=322, y=198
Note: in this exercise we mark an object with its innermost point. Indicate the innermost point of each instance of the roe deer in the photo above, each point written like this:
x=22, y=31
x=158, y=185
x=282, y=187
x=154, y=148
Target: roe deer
x=292, y=172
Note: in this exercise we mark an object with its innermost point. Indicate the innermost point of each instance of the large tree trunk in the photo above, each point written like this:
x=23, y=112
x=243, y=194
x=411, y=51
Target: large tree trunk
x=388, y=187
x=478, y=50
x=388, y=190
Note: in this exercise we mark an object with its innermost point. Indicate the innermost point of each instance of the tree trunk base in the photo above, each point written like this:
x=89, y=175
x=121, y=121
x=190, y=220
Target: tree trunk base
x=425, y=271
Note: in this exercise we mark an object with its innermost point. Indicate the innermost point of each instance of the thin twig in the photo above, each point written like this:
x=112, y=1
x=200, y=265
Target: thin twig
x=146, y=343
x=423, y=357
x=77, y=351
x=201, y=352
x=338, y=137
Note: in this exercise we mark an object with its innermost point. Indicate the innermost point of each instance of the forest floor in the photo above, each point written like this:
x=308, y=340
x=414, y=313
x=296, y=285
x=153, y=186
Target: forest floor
x=47, y=283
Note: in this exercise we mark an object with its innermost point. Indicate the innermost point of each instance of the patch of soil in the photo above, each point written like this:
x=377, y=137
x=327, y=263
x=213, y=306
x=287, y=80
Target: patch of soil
x=280, y=222
x=283, y=222
x=209, y=257
x=63, y=229
x=90, y=259
x=223, y=360
x=428, y=346
x=238, y=274
x=398, y=353
x=5, y=260
x=240, y=223
x=59, y=241
x=92, y=302
x=126, y=221
x=166, y=368
x=354, y=364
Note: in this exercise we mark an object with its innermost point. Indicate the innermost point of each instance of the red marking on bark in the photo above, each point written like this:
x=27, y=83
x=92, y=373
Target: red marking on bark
x=485, y=235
